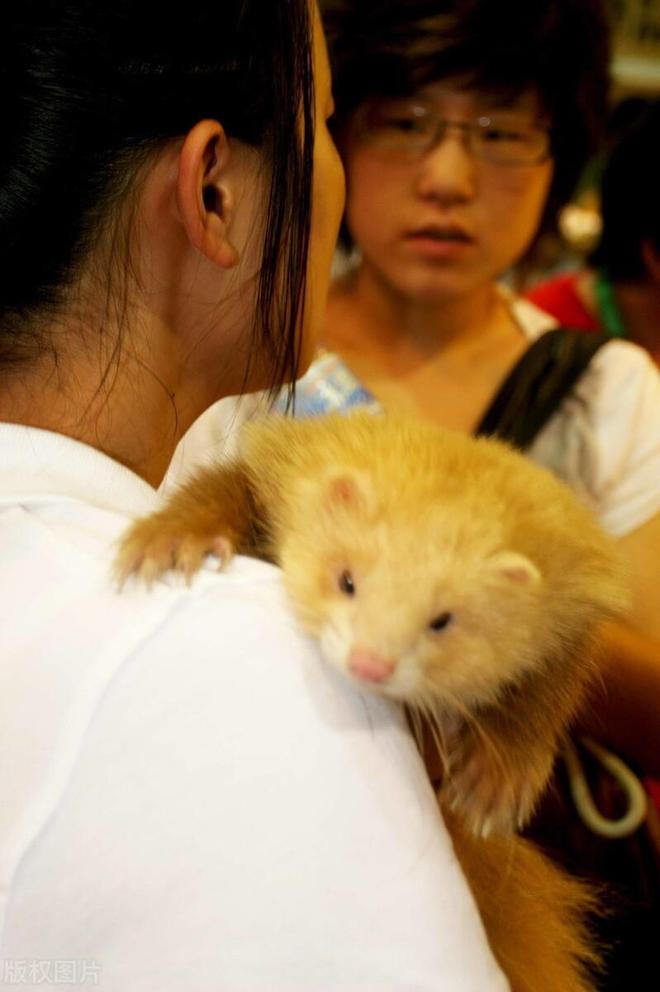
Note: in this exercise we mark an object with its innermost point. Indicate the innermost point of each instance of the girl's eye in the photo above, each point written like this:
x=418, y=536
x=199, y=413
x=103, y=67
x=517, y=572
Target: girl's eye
x=405, y=124
x=440, y=621
x=500, y=134
x=346, y=583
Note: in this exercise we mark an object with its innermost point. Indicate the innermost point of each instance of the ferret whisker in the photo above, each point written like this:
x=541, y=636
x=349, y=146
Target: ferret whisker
x=416, y=726
x=490, y=743
x=429, y=715
x=474, y=723
x=438, y=736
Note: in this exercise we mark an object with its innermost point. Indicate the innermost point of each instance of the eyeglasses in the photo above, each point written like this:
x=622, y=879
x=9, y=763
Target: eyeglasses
x=412, y=128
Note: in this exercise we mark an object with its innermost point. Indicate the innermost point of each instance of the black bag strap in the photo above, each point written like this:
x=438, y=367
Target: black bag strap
x=538, y=383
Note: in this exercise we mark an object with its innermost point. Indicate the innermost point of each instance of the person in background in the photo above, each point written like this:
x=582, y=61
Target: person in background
x=619, y=293
x=189, y=799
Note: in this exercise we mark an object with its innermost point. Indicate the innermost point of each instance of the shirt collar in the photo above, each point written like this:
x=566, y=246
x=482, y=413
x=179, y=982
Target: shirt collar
x=37, y=465
x=532, y=321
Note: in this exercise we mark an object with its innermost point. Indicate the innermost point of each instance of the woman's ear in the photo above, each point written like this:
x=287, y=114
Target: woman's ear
x=204, y=193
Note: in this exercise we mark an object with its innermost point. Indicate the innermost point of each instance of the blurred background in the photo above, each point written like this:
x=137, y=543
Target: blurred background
x=635, y=83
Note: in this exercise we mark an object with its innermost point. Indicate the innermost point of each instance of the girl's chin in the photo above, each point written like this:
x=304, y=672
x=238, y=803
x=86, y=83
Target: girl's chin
x=442, y=287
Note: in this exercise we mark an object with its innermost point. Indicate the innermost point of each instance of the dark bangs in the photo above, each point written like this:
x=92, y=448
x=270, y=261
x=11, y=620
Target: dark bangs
x=556, y=48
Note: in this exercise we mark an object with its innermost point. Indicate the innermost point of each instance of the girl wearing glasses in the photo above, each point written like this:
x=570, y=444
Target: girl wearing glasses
x=462, y=128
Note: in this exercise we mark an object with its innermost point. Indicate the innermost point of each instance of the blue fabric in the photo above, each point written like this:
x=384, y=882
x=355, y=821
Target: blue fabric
x=329, y=387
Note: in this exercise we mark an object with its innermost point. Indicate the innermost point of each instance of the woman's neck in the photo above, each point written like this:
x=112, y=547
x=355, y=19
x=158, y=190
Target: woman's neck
x=116, y=404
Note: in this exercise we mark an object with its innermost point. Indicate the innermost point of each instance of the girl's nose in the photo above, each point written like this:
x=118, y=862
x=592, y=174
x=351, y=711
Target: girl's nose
x=447, y=172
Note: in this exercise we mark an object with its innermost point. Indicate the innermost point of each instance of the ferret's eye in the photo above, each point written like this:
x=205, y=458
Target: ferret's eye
x=440, y=621
x=346, y=583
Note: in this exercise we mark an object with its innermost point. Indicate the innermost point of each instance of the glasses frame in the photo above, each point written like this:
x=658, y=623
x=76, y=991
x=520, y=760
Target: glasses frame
x=407, y=146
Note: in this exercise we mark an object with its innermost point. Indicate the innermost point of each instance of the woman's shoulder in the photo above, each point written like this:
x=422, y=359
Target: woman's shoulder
x=604, y=439
x=207, y=743
x=619, y=392
x=621, y=363
x=219, y=608
x=213, y=435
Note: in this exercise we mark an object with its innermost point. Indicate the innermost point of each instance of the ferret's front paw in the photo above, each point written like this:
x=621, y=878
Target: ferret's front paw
x=491, y=793
x=152, y=546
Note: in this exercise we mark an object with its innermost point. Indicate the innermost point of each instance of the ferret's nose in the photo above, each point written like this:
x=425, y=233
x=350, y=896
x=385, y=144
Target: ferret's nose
x=368, y=666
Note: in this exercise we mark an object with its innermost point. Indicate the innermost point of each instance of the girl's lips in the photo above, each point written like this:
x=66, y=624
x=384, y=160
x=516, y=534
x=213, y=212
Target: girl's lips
x=439, y=244
x=449, y=232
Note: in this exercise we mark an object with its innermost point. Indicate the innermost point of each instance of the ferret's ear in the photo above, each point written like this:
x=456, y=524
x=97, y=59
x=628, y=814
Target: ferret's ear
x=514, y=568
x=346, y=491
x=343, y=491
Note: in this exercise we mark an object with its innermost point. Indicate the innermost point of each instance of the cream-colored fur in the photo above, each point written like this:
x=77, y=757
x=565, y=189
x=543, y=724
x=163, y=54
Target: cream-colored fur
x=428, y=523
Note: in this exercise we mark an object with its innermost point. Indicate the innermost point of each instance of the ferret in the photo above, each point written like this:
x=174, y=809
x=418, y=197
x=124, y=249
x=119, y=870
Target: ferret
x=444, y=571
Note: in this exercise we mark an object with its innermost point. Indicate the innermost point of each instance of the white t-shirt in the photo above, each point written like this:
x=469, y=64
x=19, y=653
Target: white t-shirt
x=189, y=799
x=214, y=435
x=604, y=440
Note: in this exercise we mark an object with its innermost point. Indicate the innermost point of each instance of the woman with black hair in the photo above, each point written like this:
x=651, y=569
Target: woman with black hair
x=188, y=801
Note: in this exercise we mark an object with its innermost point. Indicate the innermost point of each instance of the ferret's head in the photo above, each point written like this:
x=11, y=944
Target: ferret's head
x=430, y=565
x=414, y=597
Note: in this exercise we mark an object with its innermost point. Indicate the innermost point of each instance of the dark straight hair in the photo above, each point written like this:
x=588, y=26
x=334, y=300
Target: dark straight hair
x=557, y=48
x=91, y=89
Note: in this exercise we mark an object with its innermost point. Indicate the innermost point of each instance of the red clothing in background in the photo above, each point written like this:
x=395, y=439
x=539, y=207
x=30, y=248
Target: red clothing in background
x=559, y=297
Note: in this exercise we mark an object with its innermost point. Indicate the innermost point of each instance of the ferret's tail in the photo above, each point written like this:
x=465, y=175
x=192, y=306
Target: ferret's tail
x=534, y=913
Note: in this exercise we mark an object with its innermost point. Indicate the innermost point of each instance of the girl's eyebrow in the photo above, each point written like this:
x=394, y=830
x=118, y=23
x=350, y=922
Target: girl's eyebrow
x=493, y=98
x=482, y=107
x=514, y=102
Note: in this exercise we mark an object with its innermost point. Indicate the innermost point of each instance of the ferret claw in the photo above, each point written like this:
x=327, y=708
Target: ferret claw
x=153, y=547
x=223, y=549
